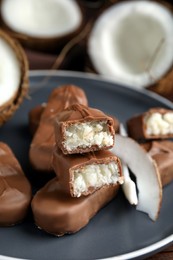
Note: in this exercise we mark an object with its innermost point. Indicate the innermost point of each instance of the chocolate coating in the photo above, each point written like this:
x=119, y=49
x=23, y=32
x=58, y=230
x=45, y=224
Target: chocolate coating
x=162, y=153
x=58, y=214
x=76, y=114
x=15, y=189
x=137, y=128
x=36, y=112
x=116, y=124
x=34, y=117
x=41, y=148
x=64, y=166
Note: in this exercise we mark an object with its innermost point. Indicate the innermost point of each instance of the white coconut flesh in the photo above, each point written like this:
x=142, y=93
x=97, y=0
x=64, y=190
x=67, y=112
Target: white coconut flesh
x=129, y=186
x=10, y=73
x=146, y=173
x=133, y=43
x=41, y=18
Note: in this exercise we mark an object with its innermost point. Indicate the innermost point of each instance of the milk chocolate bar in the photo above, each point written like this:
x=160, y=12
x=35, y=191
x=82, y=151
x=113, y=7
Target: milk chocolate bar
x=81, y=129
x=15, y=189
x=36, y=112
x=44, y=139
x=156, y=123
x=57, y=213
x=162, y=153
x=34, y=117
x=83, y=174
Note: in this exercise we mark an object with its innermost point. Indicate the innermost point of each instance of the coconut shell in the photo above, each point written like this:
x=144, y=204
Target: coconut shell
x=163, y=86
x=8, y=108
x=45, y=44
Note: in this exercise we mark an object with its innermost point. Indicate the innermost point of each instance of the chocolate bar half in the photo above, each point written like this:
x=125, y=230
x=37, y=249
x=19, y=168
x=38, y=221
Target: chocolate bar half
x=15, y=189
x=81, y=129
x=156, y=123
x=41, y=148
x=58, y=213
x=162, y=153
x=83, y=174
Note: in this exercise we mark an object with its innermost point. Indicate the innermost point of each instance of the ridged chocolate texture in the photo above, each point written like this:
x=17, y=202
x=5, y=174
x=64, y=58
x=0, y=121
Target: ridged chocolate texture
x=66, y=165
x=162, y=153
x=57, y=213
x=137, y=125
x=15, y=189
x=76, y=116
x=44, y=139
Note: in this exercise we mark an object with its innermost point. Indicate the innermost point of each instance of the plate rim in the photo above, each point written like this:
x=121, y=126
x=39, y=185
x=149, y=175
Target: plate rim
x=157, y=246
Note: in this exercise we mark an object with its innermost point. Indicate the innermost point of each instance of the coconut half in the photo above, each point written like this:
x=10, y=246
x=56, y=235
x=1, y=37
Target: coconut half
x=132, y=42
x=13, y=76
x=146, y=173
x=42, y=24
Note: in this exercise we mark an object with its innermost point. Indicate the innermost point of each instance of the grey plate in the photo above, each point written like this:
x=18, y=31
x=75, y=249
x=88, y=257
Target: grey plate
x=118, y=230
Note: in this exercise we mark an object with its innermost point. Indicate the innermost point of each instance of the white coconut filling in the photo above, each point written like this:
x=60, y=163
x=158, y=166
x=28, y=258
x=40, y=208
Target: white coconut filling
x=41, y=18
x=132, y=42
x=10, y=72
x=87, y=134
x=159, y=124
x=95, y=175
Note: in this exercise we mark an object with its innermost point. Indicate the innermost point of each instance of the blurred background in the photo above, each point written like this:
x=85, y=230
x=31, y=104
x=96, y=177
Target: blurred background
x=85, y=45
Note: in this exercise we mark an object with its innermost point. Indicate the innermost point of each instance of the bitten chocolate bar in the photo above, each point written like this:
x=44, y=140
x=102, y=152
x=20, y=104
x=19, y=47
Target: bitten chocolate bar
x=15, y=189
x=162, y=153
x=156, y=123
x=57, y=213
x=81, y=129
x=83, y=174
x=44, y=139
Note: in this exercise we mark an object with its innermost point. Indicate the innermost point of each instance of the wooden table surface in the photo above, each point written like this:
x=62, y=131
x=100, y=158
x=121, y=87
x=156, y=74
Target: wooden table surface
x=166, y=254
x=39, y=61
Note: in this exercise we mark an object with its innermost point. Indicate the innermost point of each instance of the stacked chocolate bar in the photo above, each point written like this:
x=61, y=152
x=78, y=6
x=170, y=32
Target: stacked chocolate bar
x=88, y=174
x=153, y=129
x=43, y=141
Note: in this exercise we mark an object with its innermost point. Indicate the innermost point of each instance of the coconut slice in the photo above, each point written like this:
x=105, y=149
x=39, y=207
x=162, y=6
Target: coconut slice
x=132, y=42
x=42, y=24
x=147, y=175
x=129, y=186
x=13, y=76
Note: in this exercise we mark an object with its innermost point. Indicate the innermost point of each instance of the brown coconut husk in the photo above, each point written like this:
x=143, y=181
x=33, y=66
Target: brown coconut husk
x=8, y=108
x=44, y=44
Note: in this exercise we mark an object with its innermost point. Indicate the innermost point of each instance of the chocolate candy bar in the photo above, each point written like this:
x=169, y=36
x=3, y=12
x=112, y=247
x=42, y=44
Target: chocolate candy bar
x=58, y=214
x=156, y=123
x=81, y=129
x=83, y=174
x=34, y=117
x=162, y=153
x=15, y=189
x=36, y=112
x=44, y=139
